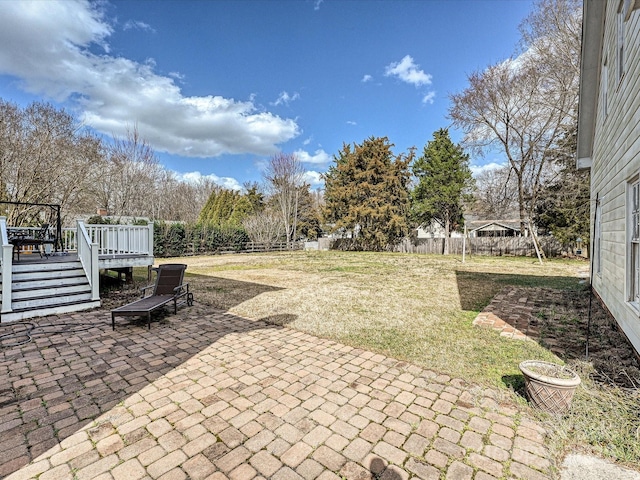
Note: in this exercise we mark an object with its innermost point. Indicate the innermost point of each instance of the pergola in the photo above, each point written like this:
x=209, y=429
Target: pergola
x=55, y=208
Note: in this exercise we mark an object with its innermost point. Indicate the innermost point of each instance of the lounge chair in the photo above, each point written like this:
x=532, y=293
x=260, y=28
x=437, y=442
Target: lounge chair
x=167, y=288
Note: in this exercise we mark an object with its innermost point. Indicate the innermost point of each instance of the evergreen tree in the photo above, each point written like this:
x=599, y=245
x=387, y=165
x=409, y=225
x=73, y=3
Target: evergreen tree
x=563, y=205
x=443, y=184
x=367, y=196
x=224, y=207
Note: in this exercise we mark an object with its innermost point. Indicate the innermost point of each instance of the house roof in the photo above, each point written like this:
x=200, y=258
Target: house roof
x=482, y=224
x=592, y=37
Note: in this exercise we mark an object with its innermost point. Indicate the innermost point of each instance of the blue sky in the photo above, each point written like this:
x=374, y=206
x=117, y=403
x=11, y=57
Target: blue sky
x=217, y=87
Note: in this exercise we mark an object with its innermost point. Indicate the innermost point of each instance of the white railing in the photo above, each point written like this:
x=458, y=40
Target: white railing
x=88, y=256
x=113, y=239
x=5, y=267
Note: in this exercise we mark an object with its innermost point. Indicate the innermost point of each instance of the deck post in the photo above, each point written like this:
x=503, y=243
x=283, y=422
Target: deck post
x=7, y=264
x=150, y=239
x=95, y=273
x=88, y=255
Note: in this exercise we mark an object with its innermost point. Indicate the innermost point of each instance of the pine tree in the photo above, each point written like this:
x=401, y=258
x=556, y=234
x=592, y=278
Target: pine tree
x=563, y=205
x=443, y=183
x=367, y=196
x=224, y=207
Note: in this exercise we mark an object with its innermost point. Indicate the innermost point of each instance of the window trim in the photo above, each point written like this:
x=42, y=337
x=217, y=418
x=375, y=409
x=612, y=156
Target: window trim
x=620, y=50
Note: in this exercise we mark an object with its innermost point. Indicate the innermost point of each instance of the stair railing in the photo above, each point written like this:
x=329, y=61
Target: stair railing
x=88, y=255
x=6, y=266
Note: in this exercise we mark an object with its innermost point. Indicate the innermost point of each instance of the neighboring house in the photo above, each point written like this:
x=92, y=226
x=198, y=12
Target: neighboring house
x=475, y=228
x=609, y=145
x=494, y=228
x=435, y=230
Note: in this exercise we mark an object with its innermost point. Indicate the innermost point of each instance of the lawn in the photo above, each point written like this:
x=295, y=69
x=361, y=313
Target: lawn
x=420, y=308
x=412, y=307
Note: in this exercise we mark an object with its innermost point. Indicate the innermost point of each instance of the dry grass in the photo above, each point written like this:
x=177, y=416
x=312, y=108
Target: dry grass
x=412, y=307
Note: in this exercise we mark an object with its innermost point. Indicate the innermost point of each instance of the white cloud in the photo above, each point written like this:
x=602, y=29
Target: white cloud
x=314, y=179
x=307, y=141
x=428, y=98
x=317, y=3
x=195, y=177
x=49, y=46
x=319, y=157
x=285, y=98
x=137, y=25
x=367, y=78
x=351, y=122
x=478, y=169
x=408, y=72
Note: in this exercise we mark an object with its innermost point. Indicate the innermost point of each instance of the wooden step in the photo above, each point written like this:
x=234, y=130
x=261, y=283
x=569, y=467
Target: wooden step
x=46, y=275
x=47, y=302
x=24, y=314
x=25, y=285
x=45, y=267
x=50, y=291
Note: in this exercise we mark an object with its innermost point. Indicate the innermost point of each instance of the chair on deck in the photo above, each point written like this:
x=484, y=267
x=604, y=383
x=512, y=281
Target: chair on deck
x=168, y=288
x=38, y=240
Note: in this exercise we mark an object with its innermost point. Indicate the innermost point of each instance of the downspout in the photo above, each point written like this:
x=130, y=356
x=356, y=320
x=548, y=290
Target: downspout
x=595, y=216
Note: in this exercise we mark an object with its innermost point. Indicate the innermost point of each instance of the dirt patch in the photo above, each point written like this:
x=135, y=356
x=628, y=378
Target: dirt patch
x=562, y=319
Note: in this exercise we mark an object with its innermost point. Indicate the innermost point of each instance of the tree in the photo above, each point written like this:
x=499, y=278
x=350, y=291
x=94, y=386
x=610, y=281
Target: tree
x=45, y=157
x=226, y=207
x=367, y=196
x=495, y=194
x=285, y=176
x=444, y=184
x=563, y=205
x=310, y=214
x=264, y=227
x=523, y=105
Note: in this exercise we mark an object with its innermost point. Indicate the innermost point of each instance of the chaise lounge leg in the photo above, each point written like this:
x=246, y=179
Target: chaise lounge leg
x=113, y=321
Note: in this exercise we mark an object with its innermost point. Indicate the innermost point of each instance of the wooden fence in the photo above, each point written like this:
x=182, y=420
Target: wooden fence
x=244, y=247
x=490, y=246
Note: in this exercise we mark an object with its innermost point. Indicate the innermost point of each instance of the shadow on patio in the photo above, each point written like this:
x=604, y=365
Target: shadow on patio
x=77, y=368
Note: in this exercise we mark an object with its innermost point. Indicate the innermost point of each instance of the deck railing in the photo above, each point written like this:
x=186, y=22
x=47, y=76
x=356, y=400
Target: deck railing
x=88, y=255
x=113, y=239
x=6, y=266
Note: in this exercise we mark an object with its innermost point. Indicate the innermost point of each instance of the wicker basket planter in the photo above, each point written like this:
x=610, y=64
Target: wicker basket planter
x=550, y=387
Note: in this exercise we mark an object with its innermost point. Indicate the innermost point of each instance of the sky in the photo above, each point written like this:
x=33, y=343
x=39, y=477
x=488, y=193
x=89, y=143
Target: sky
x=217, y=87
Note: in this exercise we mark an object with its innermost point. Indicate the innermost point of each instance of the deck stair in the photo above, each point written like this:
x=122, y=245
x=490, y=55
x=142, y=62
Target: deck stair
x=48, y=289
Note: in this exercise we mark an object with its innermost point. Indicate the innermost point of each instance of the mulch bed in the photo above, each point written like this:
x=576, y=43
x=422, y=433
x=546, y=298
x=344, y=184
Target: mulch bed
x=562, y=320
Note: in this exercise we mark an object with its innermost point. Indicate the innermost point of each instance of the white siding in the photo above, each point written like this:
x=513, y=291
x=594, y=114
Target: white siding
x=616, y=160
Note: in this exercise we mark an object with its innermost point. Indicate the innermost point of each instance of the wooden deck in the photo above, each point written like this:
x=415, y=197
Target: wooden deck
x=105, y=261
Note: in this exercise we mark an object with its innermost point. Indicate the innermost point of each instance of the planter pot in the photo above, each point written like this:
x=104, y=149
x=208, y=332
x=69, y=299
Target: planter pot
x=550, y=387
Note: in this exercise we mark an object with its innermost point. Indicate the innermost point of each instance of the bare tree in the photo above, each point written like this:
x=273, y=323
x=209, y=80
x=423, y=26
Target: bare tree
x=180, y=200
x=522, y=106
x=45, y=157
x=127, y=176
x=265, y=226
x=284, y=177
x=496, y=194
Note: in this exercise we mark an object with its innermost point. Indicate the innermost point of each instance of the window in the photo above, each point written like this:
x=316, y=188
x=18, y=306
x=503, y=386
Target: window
x=620, y=43
x=634, y=242
x=597, y=255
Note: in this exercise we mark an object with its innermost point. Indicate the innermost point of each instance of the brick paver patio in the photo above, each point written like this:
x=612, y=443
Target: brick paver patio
x=207, y=395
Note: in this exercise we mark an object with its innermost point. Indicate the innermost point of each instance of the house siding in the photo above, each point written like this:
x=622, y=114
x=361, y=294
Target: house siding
x=616, y=160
